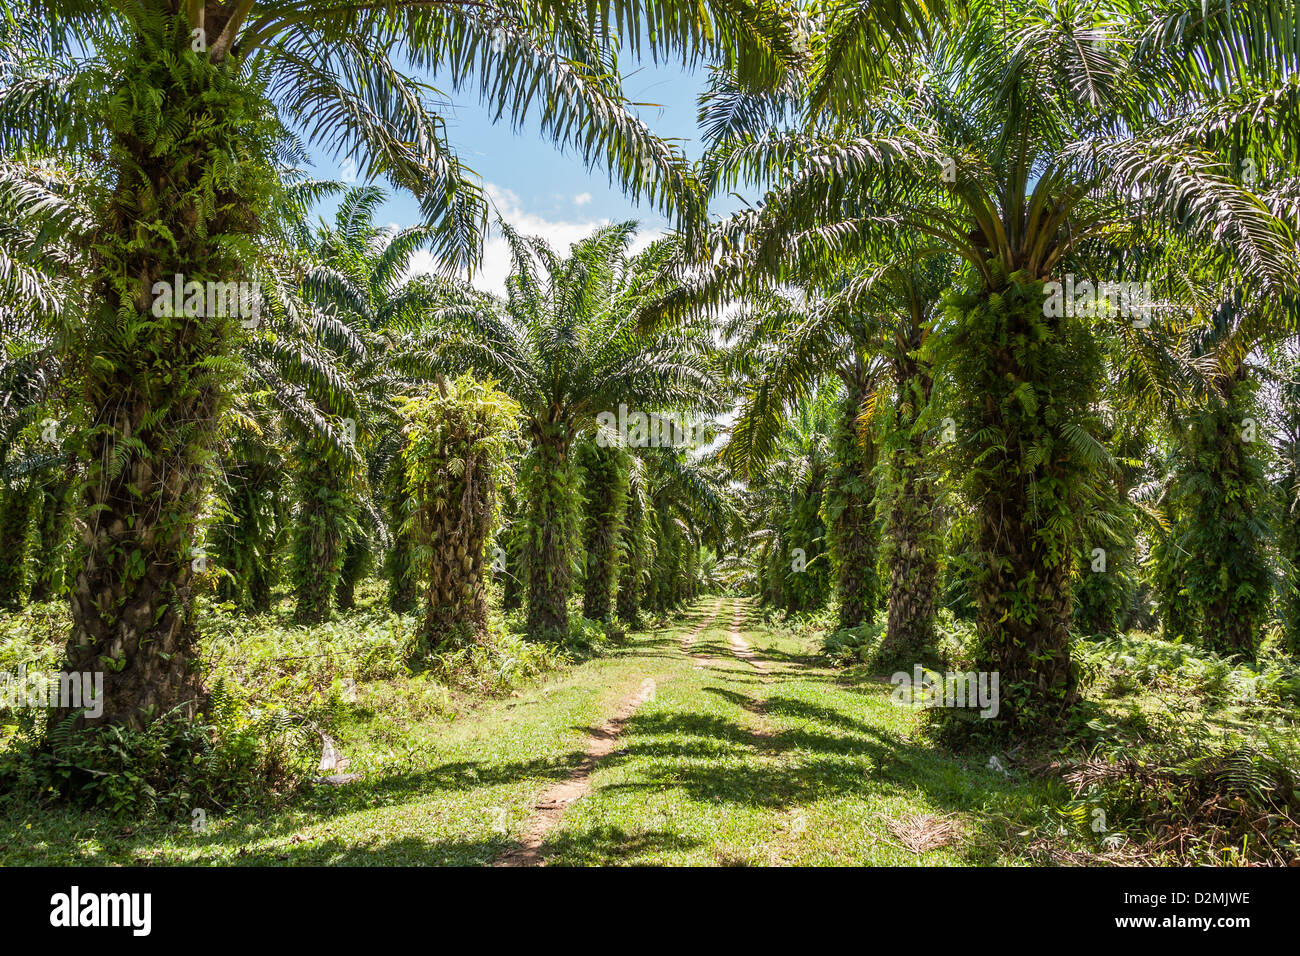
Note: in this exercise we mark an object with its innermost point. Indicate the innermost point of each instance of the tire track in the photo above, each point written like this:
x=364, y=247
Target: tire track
x=700, y=660
x=552, y=804
x=740, y=647
x=741, y=650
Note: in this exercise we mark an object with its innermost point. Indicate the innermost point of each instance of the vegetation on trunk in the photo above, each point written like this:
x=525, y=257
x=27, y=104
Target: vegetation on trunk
x=909, y=499
x=1026, y=450
x=605, y=490
x=1223, y=500
x=16, y=503
x=852, y=526
x=550, y=482
x=459, y=440
x=325, y=521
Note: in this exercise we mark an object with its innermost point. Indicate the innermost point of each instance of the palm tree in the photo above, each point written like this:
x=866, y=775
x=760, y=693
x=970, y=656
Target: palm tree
x=183, y=108
x=565, y=344
x=459, y=443
x=1288, y=488
x=253, y=462
x=279, y=363
x=792, y=480
x=1018, y=149
x=1214, y=561
x=360, y=274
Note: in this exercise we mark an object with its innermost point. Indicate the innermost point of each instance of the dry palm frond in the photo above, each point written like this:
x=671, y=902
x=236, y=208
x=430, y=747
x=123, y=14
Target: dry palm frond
x=922, y=832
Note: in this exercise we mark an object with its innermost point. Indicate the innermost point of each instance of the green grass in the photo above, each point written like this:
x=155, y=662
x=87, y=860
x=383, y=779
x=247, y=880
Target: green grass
x=801, y=764
x=728, y=766
x=437, y=790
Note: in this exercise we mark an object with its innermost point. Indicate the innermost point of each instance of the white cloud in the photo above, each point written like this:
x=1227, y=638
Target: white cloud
x=558, y=233
x=582, y=199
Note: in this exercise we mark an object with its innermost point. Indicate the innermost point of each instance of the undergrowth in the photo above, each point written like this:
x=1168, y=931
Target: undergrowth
x=278, y=691
x=1173, y=754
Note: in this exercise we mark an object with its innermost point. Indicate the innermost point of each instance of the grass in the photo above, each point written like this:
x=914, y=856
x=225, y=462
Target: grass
x=730, y=766
x=726, y=764
x=438, y=789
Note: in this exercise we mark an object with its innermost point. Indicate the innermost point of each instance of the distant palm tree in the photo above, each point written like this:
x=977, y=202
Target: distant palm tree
x=565, y=344
x=185, y=108
x=1033, y=139
x=360, y=273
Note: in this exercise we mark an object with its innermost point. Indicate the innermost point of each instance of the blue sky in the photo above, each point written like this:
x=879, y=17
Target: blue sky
x=536, y=187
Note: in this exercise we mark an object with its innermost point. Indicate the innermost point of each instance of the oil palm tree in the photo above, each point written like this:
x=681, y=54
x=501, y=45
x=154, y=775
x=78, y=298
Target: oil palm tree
x=184, y=108
x=565, y=344
x=1034, y=135
x=360, y=273
x=1287, y=484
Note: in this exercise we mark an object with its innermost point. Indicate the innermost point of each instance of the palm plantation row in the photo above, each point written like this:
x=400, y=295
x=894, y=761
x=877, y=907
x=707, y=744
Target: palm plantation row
x=915, y=425
x=931, y=226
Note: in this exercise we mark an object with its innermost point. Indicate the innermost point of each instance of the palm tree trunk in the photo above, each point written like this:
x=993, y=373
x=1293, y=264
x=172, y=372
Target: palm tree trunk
x=775, y=567
x=245, y=544
x=631, y=574
x=807, y=584
x=15, y=519
x=550, y=494
x=356, y=563
x=1030, y=653
x=690, y=567
x=663, y=572
x=912, y=553
x=605, y=483
x=516, y=573
x=399, y=560
x=182, y=204
x=54, y=530
x=1030, y=377
x=1228, y=580
x=455, y=607
x=320, y=536
x=851, y=510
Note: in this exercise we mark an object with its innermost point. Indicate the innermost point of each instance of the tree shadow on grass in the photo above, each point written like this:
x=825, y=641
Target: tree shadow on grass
x=829, y=756
x=602, y=846
x=407, y=851
x=231, y=843
x=777, y=656
x=790, y=707
x=321, y=805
